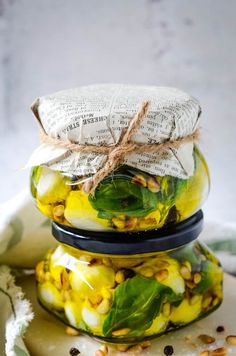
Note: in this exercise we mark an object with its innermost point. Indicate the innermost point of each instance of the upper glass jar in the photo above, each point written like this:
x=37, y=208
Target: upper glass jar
x=125, y=293
x=126, y=200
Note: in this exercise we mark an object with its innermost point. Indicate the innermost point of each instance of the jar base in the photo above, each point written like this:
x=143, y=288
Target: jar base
x=130, y=341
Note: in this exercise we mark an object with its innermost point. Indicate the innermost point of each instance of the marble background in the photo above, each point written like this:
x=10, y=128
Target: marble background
x=46, y=46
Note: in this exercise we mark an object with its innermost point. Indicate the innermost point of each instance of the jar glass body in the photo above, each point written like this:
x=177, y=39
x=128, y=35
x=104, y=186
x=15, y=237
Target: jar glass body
x=126, y=200
x=124, y=299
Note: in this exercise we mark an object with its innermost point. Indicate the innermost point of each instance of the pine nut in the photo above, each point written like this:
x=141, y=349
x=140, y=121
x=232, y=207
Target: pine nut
x=195, y=299
x=215, y=302
x=103, y=306
x=153, y=185
x=139, y=180
x=206, y=339
x=205, y=353
x=221, y=351
x=145, y=344
x=136, y=349
x=162, y=275
x=206, y=302
x=166, y=309
x=231, y=339
x=121, y=332
x=122, y=348
x=146, y=271
x=120, y=277
x=185, y=272
x=106, y=261
x=58, y=210
x=190, y=284
x=197, y=277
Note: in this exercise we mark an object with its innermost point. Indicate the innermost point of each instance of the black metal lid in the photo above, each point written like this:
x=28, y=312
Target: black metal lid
x=129, y=243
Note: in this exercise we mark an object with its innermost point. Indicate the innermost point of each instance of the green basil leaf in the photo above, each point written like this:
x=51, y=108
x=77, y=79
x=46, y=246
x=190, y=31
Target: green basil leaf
x=136, y=303
x=118, y=195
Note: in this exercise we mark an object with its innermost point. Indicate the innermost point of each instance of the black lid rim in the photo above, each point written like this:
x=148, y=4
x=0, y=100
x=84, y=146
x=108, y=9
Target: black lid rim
x=131, y=243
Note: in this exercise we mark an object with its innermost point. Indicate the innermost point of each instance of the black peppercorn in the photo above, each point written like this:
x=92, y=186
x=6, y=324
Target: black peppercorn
x=128, y=273
x=74, y=351
x=220, y=329
x=168, y=350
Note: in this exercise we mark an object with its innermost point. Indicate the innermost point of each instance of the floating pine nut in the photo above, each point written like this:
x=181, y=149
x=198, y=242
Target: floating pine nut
x=64, y=280
x=106, y=261
x=206, y=302
x=185, y=272
x=188, y=265
x=197, y=277
x=120, y=224
x=140, y=180
x=58, y=210
x=166, y=309
x=95, y=298
x=153, y=185
x=205, y=353
x=120, y=277
x=136, y=349
x=231, y=339
x=195, y=299
x=85, y=258
x=221, y=351
x=162, y=275
x=146, y=271
x=71, y=331
x=190, y=284
x=103, y=306
x=206, y=339
x=162, y=264
x=121, y=332
x=215, y=302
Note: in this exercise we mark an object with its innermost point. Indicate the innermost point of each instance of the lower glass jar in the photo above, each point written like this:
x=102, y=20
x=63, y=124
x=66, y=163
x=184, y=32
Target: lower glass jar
x=129, y=297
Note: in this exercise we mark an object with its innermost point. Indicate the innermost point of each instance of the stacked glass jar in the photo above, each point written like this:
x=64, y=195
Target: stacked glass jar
x=129, y=265
x=119, y=284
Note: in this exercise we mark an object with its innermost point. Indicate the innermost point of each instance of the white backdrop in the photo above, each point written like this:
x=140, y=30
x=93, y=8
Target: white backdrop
x=47, y=46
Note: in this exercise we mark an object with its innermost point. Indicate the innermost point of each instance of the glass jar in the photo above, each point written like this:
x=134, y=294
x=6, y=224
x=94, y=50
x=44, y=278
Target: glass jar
x=126, y=200
x=152, y=284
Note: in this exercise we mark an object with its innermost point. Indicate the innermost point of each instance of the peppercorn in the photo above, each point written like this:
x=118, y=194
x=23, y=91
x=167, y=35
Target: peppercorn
x=129, y=273
x=220, y=329
x=168, y=350
x=74, y=351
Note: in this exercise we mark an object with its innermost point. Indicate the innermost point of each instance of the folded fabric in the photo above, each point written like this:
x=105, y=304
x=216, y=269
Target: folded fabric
x=25, y=237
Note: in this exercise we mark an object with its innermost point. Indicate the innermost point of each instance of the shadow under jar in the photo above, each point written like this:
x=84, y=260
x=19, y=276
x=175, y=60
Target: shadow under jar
x=126, y=200
x=139, y=287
